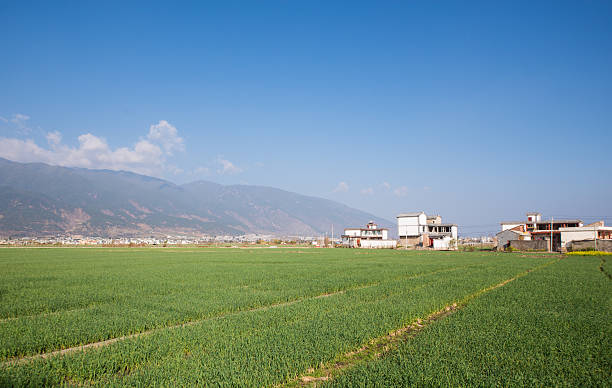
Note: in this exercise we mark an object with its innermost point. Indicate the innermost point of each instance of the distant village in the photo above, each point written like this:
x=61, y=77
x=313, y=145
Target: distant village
x=156, y=241
x=415, y=230
x=420, y=231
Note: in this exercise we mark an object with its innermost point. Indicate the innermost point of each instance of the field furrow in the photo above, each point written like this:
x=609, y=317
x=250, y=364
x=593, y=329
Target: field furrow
x=103, y=324
x=269, y=346
x=378, y=347
x=551, y=328
x=194, y=322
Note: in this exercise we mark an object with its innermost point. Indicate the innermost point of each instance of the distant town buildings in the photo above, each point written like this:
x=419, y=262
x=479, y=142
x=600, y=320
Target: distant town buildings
x=419, y=230
x=369, y=237
x=78, y=240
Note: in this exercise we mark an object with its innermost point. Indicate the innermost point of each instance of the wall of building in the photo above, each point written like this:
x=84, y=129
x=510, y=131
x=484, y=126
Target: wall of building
x=546, y=237
x=534, y=217
x=352, y=232
x=379, y=244
x=409, y=241
x=412, y=225
x=442, y=243
x=372, y=233
x=602, y=245
x=434, y=220
x=529, y=245
x=573, y=235
x=503, y=238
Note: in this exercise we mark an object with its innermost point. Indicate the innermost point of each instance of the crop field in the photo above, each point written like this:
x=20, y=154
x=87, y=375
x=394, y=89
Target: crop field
x=299, y=316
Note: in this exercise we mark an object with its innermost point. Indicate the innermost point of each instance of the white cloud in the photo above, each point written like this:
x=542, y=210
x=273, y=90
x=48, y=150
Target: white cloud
x=20, y=121
x=386, y=185
x=166, y=134
x=401, y=191
x=23, y=150
x=4, y=120
x=367, y=191
x=202, y=170
x=144, y=157
x=227, y=167
x=342, y=187
x=54, y=138
x=19, y=118
x=426, y=188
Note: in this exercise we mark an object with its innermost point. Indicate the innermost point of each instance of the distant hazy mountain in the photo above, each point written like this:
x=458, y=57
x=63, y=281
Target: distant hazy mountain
x=38, y=199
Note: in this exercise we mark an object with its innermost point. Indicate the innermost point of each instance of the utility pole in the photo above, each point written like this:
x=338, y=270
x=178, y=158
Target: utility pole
x=552, y=219
x=332, y=236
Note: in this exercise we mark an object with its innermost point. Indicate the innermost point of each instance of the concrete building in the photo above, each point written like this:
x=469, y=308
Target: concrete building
x=410, y=228
x=539, y=229
x=532, y=218
x=434, y=219
x=369, y=237
x=505, y=236
x=590, y=232
x=419, y=230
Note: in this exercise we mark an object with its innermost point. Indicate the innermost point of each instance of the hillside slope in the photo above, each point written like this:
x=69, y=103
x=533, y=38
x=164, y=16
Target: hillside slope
x=38, y=199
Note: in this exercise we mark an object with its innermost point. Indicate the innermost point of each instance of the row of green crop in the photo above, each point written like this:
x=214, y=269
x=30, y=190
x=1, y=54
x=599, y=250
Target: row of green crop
x=40, y=281
x=269, y=346
x=98, y=294
x=550, y=328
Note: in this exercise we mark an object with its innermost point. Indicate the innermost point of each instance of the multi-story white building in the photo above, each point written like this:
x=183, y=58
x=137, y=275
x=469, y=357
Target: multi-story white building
x=419, y=230
x=369, y=237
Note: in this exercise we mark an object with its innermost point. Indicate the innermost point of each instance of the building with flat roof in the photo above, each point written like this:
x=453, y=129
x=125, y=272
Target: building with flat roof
x=416, y=229
x=369, y=237
x=591, y=232
x=538, y=229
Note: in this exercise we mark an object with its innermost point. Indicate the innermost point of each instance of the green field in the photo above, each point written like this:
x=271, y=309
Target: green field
x=272, y=317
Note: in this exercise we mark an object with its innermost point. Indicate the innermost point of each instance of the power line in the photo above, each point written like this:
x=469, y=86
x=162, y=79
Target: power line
x=583, y=216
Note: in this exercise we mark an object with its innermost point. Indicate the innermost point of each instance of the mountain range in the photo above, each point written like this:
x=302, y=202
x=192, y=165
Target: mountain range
x=37, y=199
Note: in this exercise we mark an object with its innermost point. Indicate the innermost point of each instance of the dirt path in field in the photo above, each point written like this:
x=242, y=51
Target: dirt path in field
x=603, y=270
x=93, y=345
x=377, y=347
x=177, y=326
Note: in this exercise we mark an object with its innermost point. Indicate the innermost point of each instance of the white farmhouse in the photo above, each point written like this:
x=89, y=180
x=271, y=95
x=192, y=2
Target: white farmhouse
x=369, y=237
x=417, y=229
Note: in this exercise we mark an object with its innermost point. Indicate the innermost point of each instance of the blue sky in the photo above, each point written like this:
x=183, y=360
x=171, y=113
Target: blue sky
x=478, y=111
